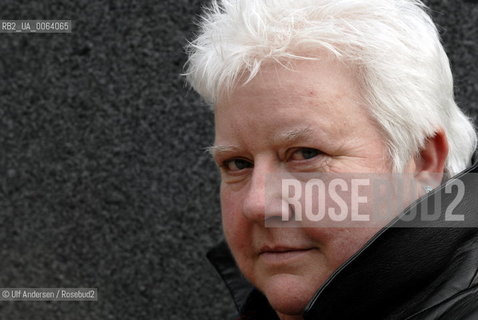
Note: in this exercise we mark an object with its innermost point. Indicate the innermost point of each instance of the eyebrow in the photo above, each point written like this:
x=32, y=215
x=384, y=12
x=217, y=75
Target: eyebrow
x=293, y=135
x=214, y=150
x=282, y=138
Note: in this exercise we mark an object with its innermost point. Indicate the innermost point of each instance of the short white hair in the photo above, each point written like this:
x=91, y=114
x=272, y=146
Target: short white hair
x=395, y=46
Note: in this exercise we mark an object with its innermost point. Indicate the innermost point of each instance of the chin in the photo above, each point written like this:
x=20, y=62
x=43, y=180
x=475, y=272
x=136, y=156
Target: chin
x=288, y=294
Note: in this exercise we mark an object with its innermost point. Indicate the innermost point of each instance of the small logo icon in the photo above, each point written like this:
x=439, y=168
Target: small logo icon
x=5, y=293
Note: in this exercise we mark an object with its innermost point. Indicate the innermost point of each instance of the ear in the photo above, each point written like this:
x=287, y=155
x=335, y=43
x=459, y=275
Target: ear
x=430, y=162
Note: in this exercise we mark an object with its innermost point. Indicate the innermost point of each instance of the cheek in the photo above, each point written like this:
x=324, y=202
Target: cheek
x=238, y=230
x=339, y=244
x=229, y=208
x=233, y=221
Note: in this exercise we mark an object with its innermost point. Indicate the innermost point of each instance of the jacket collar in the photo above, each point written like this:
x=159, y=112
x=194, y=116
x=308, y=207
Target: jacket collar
x=394, y=268
x=221, y=258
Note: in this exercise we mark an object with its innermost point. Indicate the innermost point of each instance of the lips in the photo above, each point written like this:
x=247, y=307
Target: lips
x=282, y=254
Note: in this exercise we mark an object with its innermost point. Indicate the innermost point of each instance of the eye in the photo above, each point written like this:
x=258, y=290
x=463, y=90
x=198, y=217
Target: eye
x=304, y=154
x=236, y=164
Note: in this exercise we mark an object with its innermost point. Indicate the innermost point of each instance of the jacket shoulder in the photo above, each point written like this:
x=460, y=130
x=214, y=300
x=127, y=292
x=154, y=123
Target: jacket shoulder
x=462, y=306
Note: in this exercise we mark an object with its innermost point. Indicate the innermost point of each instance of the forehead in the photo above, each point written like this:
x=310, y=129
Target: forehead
x=323, y=95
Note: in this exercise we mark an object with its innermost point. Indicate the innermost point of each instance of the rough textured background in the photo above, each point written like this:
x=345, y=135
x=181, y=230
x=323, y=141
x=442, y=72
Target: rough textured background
x=103, y=178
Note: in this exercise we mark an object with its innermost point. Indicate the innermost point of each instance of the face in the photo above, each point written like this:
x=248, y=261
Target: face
x=306, y=120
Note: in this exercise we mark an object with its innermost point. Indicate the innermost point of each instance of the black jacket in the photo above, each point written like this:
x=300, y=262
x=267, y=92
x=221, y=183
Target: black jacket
x=413, y=270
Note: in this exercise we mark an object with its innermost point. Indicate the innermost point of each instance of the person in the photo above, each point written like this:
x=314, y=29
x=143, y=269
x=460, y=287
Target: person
x=338, y=87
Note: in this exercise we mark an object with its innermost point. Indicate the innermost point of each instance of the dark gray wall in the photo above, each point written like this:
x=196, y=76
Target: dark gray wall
x=103, y=178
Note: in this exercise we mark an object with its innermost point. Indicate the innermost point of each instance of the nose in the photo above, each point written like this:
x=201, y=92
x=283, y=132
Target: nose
x=263, y=199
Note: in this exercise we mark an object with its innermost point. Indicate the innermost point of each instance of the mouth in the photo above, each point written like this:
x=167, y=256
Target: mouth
x=280, y=255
